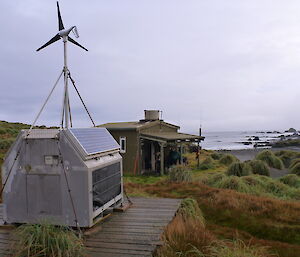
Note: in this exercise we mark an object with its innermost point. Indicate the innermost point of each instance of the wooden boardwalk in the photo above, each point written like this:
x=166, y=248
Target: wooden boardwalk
x=135, y=232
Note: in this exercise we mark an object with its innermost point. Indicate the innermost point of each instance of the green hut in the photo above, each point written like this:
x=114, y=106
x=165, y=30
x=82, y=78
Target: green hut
x=151, y=144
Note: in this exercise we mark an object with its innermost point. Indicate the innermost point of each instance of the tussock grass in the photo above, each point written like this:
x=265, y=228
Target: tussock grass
x=216, y=156
x=294, y=162
x=255, y=185
x=259, y=167
x=46, y=241
x=207, y=163
x=270, y=158
x=262, y=217
x=233, y=183
x=239, y=169
x=180, y=173
x=287, y=156
x=228, y=159
x=212, y=179
x=185, y=238
x=291, y=180
x=238, y=248
x=295, y=169
x=189, y=209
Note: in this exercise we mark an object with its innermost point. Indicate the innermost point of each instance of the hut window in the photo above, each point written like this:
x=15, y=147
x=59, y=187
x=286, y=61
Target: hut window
x=122, y=144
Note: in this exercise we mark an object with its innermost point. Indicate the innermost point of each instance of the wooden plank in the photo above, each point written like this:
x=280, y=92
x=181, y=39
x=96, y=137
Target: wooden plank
x=125, y=252
x=133, y=233
x=93, y=254
x=140, y=224
x=120, y=246
x=124, y=240
x=132, y=238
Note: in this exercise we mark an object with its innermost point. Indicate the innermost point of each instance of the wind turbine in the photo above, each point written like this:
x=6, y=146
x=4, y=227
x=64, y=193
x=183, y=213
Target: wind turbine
x=64, y=35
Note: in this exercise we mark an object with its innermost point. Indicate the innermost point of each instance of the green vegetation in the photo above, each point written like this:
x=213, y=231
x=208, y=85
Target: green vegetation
x=294, y=162
x=271, y=159
x=255, y=185
x=259, y=167
x=207, y=163
x=287, y=156
x=291, y=180
x=227, y=159
x=46, y=241
x=187, y=236
x=250, y=215
x=141, y=179
x=216, y=156
x=239, y=169
x=189, y=209
x=295, y=169
x=288, y=142
x=180, y=173
x=238, y=248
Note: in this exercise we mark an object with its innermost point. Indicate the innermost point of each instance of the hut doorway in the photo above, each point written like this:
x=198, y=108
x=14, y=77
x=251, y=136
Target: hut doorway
x=151, y=157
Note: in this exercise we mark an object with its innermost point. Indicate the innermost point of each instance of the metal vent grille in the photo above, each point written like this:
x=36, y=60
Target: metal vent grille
x=106, y=184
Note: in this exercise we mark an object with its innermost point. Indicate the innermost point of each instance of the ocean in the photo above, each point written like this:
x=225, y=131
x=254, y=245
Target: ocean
x=238, y=140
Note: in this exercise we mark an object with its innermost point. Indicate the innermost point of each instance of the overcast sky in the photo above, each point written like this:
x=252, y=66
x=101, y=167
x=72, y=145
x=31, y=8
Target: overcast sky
x=229, y=65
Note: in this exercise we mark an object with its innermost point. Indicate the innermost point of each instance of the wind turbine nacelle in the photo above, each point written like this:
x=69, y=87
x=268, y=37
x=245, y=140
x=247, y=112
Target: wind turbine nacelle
x=66, y=32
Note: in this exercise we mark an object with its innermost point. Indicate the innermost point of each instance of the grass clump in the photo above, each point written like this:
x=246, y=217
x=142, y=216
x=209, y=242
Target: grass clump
x=207, y=163
x=180, y=173
x=271, y=159
x=239, y=169
x=256, y=185
x=189, y=209
x=295, y=169
x=287, y=156
x=238, y=248
x=228, y=159
x=233, y=183
x=259, y=167
x=46, y=241
x=294, y=162
x=185, y=238
x=291, y=180
x=216, y=156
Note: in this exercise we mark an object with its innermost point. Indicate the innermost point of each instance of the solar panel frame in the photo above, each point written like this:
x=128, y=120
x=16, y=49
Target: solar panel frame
x=94, y=140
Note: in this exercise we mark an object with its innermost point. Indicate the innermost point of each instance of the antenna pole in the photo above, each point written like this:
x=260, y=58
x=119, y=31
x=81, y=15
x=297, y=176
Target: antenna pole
x=65, y=108
x=198, y=148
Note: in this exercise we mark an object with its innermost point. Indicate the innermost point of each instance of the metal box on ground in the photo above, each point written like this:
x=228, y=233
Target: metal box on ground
x=60, y=176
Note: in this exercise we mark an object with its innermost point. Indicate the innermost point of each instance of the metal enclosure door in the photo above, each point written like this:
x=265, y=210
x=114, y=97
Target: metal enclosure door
x=43, y=195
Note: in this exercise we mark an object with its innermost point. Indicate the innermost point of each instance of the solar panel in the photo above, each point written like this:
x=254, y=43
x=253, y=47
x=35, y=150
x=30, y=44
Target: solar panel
x=94, y=140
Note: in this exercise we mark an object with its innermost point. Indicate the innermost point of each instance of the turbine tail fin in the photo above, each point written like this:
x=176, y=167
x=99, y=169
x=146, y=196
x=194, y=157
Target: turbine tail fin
x=52, y=40
x=76, y=43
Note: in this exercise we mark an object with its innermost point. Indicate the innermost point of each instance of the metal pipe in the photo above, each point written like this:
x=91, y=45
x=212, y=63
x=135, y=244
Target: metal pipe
x=44, y=104
x=66, y=99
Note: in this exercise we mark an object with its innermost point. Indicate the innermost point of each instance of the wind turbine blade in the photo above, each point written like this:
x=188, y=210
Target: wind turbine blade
x=60, y=22
x=75, y=43
x=52, y=40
